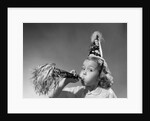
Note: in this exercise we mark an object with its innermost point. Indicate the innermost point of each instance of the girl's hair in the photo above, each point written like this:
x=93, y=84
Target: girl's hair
x=106, y=79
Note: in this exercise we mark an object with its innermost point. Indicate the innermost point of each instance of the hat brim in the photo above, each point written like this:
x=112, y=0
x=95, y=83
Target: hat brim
x=94, y=56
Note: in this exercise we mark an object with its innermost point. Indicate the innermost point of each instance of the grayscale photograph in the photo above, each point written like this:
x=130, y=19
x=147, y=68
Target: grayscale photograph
x=75, y=60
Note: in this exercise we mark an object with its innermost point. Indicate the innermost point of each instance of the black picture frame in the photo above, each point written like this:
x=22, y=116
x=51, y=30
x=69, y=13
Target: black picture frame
x=3, y=8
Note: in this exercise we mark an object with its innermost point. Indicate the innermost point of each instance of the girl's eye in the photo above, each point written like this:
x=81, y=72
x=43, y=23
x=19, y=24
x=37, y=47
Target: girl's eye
x=91, y=70
x=83, y=68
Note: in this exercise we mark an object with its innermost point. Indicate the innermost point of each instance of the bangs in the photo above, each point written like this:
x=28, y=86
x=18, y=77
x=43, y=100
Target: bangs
x=99, y=61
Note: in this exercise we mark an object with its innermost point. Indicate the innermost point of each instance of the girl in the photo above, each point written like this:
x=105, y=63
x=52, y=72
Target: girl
x=96, y=82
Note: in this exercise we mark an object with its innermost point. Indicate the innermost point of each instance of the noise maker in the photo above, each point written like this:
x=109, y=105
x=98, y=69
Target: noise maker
x=46, y=77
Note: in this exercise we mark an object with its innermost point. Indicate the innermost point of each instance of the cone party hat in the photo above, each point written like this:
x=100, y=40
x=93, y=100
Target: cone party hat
x=95, y=47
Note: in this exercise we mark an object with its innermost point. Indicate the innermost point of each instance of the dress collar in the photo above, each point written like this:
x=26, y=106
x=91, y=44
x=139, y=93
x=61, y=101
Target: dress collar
x=97, y=91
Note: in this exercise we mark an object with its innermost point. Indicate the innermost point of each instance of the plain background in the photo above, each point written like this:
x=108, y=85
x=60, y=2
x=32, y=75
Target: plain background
x=67, y=44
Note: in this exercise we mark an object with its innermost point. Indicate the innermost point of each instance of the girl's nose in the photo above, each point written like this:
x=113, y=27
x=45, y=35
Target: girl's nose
x=84, y=73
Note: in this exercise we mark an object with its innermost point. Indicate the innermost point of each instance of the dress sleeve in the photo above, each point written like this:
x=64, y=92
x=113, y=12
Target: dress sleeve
x=67, y=92
x=111, y=94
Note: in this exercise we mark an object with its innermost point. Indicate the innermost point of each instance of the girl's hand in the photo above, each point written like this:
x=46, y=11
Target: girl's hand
x=62, y=83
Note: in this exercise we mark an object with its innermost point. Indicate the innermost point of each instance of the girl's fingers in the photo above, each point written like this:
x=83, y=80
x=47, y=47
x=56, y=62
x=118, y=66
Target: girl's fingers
x=73, y=72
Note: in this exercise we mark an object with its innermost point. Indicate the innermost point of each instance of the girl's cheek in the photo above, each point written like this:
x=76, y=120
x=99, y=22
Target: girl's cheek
x=80, y=73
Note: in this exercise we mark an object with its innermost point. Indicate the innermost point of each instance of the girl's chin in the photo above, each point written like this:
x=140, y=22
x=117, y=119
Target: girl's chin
x=84, y=83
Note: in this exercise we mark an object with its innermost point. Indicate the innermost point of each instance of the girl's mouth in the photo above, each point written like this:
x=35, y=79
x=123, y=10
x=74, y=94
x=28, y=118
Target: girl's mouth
x=82, y=79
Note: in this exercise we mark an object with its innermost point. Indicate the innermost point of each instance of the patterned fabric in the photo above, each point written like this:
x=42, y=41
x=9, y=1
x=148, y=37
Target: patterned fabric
x=81, y=92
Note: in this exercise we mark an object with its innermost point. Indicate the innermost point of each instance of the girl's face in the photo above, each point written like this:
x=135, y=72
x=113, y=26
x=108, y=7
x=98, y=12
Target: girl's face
x=89, y=73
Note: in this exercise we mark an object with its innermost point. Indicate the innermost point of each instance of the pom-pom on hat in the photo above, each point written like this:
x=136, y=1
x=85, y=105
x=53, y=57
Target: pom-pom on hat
x=95, y=47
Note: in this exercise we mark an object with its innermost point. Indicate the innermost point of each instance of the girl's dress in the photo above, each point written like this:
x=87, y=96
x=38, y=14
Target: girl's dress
x=81, y=92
